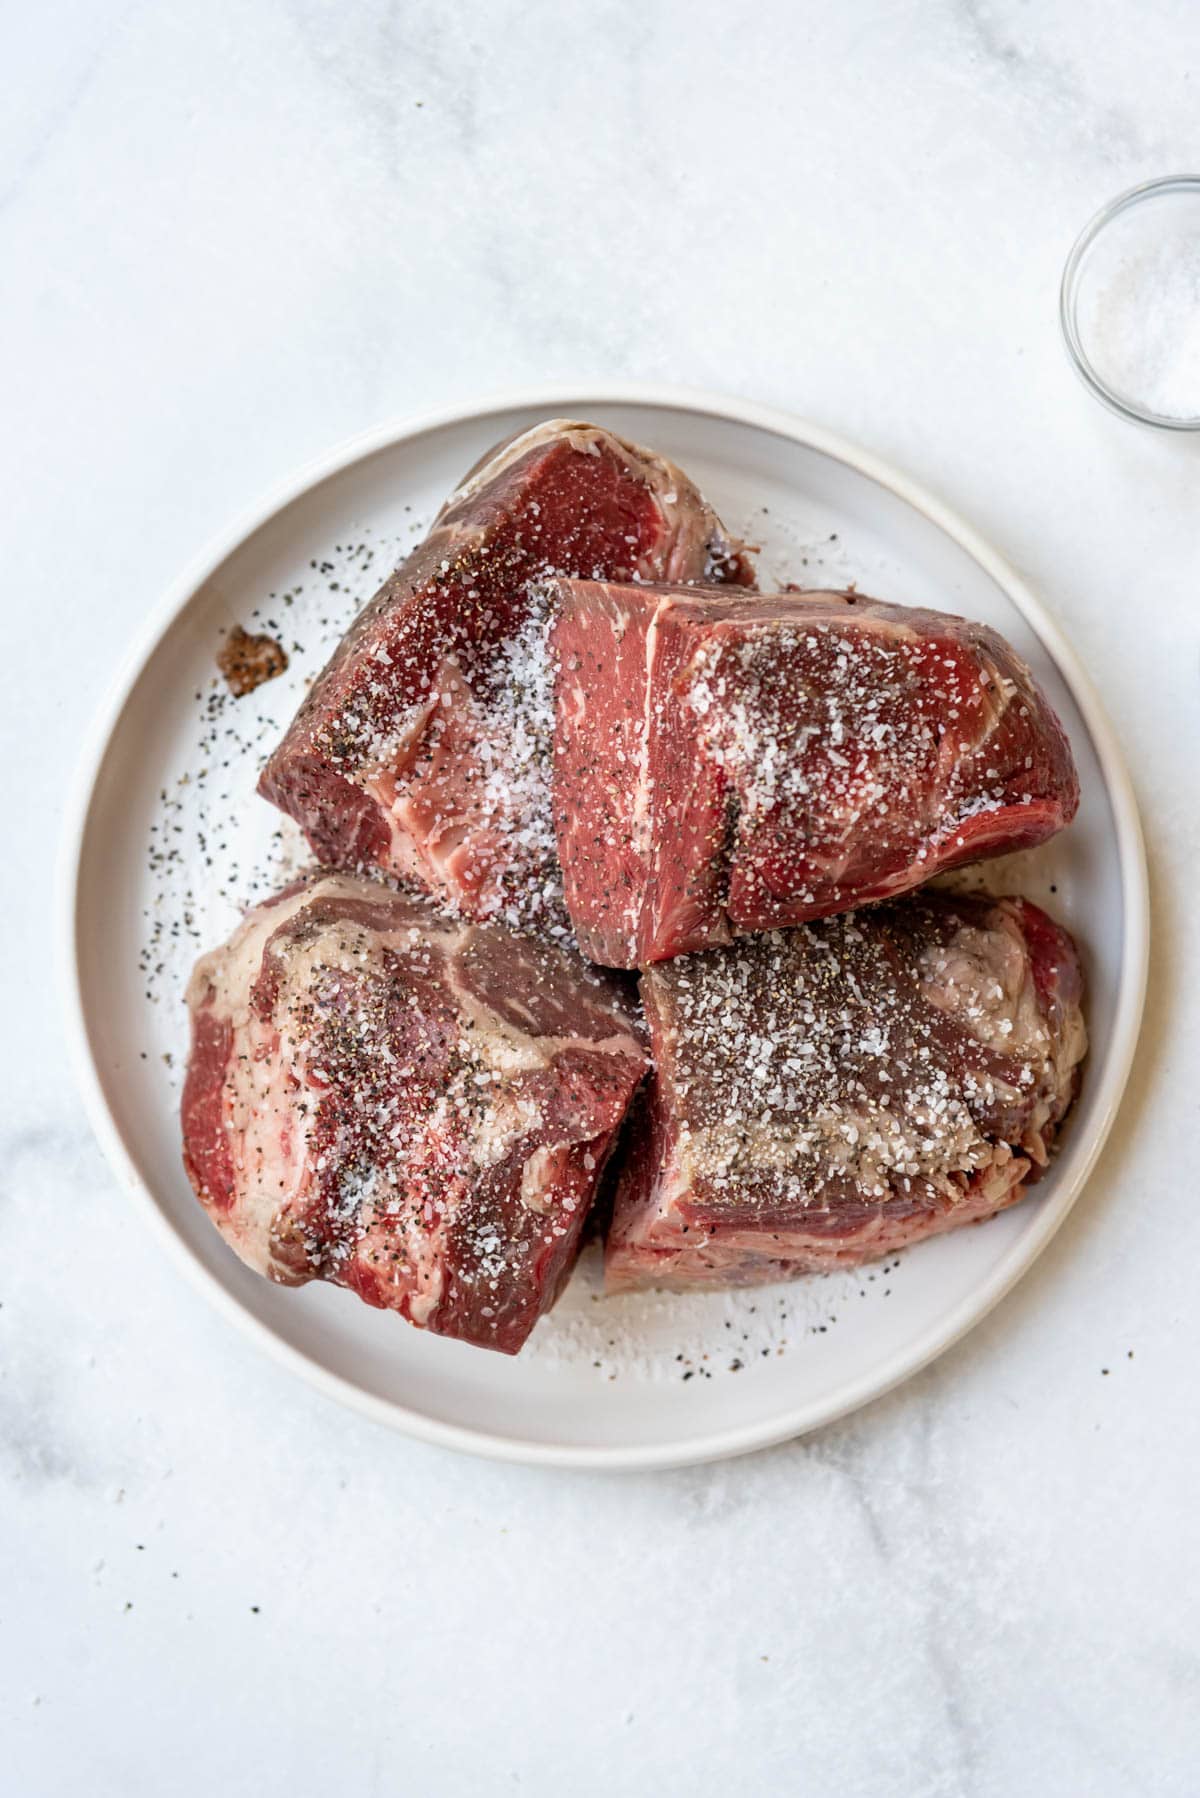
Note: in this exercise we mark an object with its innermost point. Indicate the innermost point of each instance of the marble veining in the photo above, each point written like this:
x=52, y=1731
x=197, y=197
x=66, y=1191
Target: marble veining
x=232, y=237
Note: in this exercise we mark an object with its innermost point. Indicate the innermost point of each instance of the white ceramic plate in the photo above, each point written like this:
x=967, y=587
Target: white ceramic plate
x=635, y=1382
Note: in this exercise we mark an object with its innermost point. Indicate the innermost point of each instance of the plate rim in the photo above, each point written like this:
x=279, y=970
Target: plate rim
x=948, y=1329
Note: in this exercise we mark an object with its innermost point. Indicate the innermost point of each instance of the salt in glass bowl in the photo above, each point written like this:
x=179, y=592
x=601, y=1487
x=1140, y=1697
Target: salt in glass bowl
x=1130, y=304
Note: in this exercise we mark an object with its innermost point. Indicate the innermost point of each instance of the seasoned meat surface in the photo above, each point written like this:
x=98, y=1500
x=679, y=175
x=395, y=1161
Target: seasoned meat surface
x=731, y=762
x=825, y=1095
x=417, y=1109
x=423, y=748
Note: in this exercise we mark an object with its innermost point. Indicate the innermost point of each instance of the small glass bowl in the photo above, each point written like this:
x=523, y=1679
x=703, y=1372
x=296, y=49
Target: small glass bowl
x=1166, y=214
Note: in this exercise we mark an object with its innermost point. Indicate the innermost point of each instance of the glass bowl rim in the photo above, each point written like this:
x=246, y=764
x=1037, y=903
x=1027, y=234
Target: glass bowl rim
x=1121, y=403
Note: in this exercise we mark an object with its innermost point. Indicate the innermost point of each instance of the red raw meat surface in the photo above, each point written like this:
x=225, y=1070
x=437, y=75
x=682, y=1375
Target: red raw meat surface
x=417, y=1109
x=826, y=1095
x=423, y=748
x=726, y=763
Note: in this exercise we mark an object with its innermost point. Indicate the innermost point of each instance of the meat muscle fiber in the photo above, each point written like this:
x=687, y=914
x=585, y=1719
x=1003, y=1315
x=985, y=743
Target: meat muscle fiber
x=825, y=1095
x=726, y=763
x=414, y=1108
x=423, y=748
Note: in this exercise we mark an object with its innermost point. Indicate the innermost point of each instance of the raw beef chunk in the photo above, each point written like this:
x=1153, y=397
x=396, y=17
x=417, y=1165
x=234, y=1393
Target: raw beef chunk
x=825, y=1095
x=416, y=1109
x=729, y=763
x=423, y=748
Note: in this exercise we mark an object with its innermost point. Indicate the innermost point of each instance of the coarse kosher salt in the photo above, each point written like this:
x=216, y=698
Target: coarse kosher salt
x=1138, y=305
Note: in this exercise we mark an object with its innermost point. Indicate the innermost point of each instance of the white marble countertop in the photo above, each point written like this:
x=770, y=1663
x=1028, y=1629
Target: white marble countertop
x=233, y=235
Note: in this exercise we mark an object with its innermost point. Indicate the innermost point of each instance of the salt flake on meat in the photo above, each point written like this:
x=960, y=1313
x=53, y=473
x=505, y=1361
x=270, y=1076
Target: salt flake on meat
x=919, y=1057
x=416, y=1108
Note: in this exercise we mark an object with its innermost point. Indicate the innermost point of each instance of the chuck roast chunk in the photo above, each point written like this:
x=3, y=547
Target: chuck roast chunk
x=423, y=748
x=416, y=1109
x=826, y=1095
x=728, y=763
